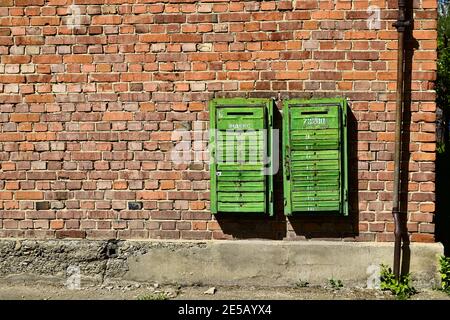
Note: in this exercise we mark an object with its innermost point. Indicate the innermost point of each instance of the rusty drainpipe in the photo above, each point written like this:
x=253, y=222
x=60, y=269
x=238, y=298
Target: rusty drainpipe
x=401, y=24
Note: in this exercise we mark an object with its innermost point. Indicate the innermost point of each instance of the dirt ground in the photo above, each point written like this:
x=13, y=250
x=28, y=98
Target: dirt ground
x=154, y=291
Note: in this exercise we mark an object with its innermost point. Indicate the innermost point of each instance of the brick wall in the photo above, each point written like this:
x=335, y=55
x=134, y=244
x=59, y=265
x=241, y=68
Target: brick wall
x=92, y=90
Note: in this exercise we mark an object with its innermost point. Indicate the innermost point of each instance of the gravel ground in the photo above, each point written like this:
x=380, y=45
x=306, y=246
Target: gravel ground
x=153, y=291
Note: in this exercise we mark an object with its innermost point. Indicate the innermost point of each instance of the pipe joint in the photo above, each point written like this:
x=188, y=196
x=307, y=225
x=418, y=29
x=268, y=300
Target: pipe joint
x=402, y=25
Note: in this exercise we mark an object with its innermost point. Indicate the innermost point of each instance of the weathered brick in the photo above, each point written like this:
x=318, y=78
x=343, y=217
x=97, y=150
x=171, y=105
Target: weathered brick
x=29, y=195
x=117, y=116
x=60, y=234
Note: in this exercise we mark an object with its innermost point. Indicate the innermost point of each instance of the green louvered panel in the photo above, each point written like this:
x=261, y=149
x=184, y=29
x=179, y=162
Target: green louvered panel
x=241, y=155
x=315, y=156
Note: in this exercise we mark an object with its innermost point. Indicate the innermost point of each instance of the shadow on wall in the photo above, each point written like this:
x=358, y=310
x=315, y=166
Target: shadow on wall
x=442, y=216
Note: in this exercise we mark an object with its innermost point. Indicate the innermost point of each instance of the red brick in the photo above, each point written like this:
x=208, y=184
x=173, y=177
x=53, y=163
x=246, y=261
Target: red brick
x=4, y=78
x=60, y=234
x=154, y=38
x=117, y=116
x=57, y=224
x=199, y=225
x=4, y=195
x=11, y=136
x=29, y=40
x=151, y=195
x=167, y=184
x=25, y=117
x=322, y=75
x=422, y=237
x=77, y=59
x=6, y=3
x=29, y=195
x=196, y=235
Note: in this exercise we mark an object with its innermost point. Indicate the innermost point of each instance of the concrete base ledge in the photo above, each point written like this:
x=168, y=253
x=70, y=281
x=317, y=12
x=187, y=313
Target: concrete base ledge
x=242, y=262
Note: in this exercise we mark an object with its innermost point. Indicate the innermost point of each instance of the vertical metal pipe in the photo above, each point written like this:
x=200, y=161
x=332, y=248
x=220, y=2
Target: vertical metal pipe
x=401, y=25
x=397, y=155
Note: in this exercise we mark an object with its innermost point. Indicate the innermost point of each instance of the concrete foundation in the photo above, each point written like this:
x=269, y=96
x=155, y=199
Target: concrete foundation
x=246, y=262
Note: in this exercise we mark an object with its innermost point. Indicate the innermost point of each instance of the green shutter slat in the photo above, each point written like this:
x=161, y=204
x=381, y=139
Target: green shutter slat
x=238, y=166
x=315, y=165
x=315, y=175
x=305, y=207
x=241, y=207
x=240, y=186
x=316, y=186
x=314, y=155
x=241, y=196
x=239, y=176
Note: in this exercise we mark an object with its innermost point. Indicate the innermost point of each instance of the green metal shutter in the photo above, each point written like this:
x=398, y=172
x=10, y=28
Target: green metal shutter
x=241, y=155
x=315, y=156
